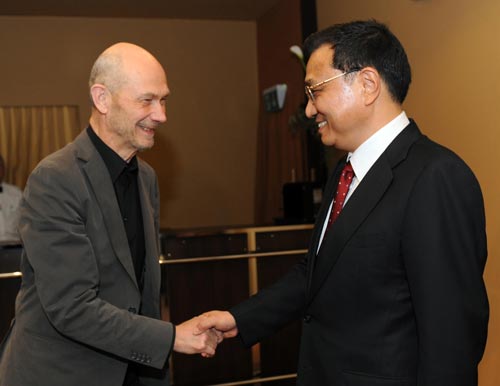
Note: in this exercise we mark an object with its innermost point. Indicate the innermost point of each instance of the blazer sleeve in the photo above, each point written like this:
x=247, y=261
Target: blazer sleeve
x=444, y=249
x=66, y=272
x=271, y=308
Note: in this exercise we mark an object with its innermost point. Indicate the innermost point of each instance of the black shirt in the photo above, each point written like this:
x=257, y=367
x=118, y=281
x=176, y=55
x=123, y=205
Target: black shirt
x=124, y=178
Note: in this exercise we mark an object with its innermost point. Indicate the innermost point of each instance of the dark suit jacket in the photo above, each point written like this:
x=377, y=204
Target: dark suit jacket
x=77, y=319
x=395, y=295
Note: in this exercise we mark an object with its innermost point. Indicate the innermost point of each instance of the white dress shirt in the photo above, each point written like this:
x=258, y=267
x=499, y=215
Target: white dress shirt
x=363, y=158
x=10, y=198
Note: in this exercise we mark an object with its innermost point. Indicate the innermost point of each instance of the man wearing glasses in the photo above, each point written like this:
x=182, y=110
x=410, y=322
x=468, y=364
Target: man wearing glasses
x=391, y=291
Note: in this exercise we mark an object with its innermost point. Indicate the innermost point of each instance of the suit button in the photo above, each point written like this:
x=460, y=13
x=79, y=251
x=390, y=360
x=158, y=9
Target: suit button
x=132, y=310
x=307, y=318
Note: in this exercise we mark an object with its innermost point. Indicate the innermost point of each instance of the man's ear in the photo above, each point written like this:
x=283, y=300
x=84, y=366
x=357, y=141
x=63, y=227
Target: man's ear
x=100, y=97
x=371, y=84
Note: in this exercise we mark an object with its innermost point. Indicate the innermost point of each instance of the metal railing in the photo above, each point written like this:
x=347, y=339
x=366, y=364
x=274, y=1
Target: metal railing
x=252, y=257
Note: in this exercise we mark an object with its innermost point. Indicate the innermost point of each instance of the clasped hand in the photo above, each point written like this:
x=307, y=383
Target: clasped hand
x=202, y=334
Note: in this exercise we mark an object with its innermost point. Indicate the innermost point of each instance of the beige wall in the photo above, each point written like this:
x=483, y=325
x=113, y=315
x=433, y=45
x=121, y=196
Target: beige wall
x=205, y=156
x=454, y=51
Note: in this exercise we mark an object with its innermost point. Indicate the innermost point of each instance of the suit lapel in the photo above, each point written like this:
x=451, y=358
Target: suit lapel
x=322, y=213
x=358, y=207
x=152, y=273
x=325, y=205
x=101, y=185
x=150, y=236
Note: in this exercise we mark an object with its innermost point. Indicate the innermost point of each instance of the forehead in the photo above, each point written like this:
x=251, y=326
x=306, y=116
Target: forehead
x=146, y=77
x=319, y=64
x=152, y=81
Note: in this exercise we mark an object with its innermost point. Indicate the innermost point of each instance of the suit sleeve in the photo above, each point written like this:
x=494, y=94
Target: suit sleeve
x=273, y=307
x=285, y=301
x=444, y=249
x=53, y=229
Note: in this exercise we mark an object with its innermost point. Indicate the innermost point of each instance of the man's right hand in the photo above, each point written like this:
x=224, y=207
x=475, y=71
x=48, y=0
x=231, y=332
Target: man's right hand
x=222, y=321
x=190, y=340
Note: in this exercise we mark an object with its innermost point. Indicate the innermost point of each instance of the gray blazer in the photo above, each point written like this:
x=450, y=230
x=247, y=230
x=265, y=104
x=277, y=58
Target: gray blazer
x=77, y=319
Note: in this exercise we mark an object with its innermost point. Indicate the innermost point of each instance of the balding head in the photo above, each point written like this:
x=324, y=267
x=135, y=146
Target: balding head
x=117, y=63
x=128, y=89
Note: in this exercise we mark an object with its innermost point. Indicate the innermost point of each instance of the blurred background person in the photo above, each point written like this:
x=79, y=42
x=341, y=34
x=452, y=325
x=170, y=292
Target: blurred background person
x=10, y=198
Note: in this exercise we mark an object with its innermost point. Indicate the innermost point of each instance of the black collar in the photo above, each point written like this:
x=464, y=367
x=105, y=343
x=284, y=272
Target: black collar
x=115, y=164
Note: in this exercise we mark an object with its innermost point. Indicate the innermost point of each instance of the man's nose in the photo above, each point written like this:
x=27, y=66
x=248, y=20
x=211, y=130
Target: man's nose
x=310, y=109
x=159, y=113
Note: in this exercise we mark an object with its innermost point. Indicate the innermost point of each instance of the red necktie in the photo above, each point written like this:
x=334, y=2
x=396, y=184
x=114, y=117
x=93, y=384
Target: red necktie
x=342, y=189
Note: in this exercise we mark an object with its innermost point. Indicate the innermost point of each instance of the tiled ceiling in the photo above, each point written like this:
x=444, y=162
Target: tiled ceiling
x=171, y=9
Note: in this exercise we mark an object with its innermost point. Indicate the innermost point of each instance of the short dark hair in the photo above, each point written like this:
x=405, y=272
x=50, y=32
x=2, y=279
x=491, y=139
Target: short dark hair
x=360, y=44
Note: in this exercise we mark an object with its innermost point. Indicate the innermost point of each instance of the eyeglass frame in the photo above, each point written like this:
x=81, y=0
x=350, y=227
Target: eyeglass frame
x=309, y=89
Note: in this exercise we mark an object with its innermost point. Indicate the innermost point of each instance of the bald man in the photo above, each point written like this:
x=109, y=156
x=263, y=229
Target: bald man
x=88, y=310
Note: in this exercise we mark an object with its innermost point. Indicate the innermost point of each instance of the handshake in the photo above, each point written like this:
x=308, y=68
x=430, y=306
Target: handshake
x=202, y=334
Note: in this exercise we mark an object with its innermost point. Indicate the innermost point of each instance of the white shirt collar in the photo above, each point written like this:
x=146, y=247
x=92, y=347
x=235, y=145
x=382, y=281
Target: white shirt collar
x=363, y=158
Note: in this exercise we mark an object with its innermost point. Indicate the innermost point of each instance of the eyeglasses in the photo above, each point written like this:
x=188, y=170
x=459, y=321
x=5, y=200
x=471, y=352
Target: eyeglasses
x=310, y=89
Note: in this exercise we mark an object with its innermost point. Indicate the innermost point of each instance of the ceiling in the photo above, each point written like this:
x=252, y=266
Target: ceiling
x=171, y=9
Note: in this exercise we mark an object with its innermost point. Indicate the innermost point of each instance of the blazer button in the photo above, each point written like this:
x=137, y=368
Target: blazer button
x=307, y=318
x=132, y=310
